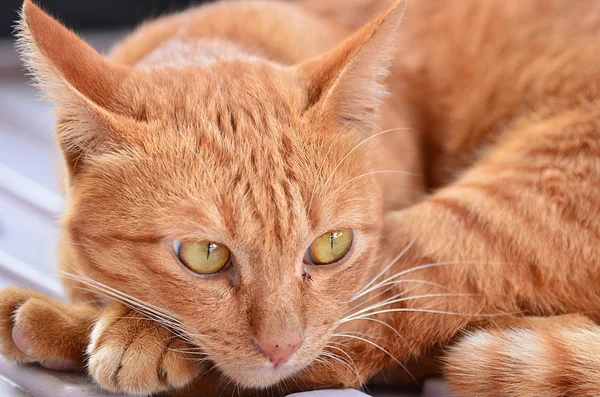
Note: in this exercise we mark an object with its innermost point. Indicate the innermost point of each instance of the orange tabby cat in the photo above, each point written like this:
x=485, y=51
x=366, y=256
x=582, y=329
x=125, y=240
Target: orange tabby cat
x=244, y=200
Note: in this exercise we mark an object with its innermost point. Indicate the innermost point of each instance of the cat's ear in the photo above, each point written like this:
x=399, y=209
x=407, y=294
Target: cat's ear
x=82, y=83
x=347, y=82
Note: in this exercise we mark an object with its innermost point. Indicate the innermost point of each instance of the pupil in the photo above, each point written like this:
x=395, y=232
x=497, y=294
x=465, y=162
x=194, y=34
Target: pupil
x=210, y=248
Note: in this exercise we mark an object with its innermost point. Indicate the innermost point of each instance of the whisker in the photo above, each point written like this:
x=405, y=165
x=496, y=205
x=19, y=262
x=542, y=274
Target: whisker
x=324, y=362
x=339, y=359
x=394, y=330
x=393, y=300
x=391, y=285
x=382, y=349
x=432, y=311
x=339, y=344
x=350, y=360
x=195, y=360
x=174, y=328
x=370, y=299
x=122, y=297
x=154, y=313
x=333, y=142
x=225, y=387
x=86, y=279
x=330, y=345
x=359, y=334
x=174, y=325
x=354, y=149
x=189, y=349
x=364, y=175
x=384, y=270
x=416, y=268
x=215, y=366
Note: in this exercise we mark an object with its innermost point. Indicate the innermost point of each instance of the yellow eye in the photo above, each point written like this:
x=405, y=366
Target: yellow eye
x=202, y=257
x=330, y=247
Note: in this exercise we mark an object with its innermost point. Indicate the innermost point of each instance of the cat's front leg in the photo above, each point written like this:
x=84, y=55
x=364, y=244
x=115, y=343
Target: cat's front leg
x=130, y=352
x=35, y=328
x=126, y=351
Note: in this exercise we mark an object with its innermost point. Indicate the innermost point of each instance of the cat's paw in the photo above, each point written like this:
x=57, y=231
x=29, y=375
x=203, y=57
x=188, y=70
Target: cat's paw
x=35, y=328
x=129, y=353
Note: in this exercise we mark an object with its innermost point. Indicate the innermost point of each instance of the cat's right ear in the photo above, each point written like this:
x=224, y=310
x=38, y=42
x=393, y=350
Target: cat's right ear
x=346, y=83
x=82, y=83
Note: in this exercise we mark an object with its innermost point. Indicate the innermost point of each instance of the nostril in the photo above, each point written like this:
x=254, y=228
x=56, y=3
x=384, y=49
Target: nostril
x=278, y=352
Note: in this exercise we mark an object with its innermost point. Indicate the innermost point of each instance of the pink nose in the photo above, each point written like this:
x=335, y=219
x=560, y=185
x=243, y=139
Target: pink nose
x=279, y=352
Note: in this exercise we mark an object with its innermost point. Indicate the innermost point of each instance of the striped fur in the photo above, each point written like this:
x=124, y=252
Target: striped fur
x=472, y=190
x=559, y=357
x=508, y=108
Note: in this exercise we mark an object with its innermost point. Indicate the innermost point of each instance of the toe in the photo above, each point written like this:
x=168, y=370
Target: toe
x=60, y=365
x=21, y=341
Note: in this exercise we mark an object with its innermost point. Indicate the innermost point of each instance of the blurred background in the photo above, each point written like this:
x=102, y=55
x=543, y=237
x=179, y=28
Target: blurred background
x=94, y=15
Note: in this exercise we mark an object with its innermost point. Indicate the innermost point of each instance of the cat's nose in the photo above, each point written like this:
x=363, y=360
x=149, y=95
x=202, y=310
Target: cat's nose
x=279, y=351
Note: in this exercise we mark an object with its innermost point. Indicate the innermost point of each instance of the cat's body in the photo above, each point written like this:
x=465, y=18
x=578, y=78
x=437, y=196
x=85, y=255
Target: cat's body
x=494, y=114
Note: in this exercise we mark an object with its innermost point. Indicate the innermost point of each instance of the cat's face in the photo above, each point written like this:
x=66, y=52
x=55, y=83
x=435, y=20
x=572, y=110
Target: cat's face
x=262, y=166
x=236, y=166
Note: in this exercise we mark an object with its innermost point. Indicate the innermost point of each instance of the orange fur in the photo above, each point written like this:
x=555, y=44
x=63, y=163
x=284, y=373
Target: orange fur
x=256, y=124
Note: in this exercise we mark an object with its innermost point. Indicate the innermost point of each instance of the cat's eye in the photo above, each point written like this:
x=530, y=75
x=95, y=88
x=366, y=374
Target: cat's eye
x=329, y=248
x=203, y=257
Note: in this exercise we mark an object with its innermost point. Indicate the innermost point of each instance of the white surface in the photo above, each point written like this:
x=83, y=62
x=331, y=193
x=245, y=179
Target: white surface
x=41, y=383
x=330, y=393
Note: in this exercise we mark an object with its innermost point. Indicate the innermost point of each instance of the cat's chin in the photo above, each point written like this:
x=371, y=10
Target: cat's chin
x=263, y=378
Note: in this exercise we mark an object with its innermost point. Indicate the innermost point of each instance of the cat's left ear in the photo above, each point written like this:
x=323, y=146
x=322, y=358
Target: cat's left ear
x=65, y=67
x=85, y=86
x=346, y=83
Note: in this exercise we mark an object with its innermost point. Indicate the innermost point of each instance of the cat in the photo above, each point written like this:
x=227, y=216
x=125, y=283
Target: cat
x=249, y=211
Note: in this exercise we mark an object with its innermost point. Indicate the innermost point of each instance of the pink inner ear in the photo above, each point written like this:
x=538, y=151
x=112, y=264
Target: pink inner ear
x=54, y=47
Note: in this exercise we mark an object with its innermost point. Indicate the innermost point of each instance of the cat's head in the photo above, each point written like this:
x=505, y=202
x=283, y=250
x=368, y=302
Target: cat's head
x=235, y=196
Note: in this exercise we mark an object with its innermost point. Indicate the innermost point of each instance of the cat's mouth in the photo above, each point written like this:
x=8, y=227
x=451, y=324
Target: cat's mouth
x=265, y=374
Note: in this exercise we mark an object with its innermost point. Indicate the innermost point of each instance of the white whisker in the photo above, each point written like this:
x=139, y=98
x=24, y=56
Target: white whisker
x=352, y=151
x=330, y=346
x=339, y=359
x=391, y=285
x=362, y=176
x=393, y=300
x=357, y=333
x=176, y=329
x=380, y=348
x=384, y=270
x=431, y=311
x=416, y=268
x=386, y=325
x=332, y=144
x=155, y=313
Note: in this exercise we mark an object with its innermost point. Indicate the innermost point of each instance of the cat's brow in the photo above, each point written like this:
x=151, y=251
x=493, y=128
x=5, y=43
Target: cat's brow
x=100, y=238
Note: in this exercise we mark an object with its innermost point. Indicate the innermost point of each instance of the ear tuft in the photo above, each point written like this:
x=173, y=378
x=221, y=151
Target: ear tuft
x=59, y=59
x=347, y=82
x=82, y=83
